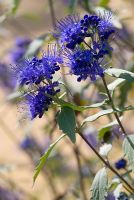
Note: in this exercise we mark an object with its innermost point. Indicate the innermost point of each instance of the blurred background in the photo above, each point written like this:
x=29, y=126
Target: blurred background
x=24, y=141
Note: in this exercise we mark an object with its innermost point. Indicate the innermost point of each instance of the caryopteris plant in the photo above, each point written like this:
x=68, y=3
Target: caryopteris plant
x=83, y=46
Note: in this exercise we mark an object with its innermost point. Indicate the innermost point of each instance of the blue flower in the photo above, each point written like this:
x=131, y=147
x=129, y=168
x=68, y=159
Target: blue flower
x=22, y=41
x=110, y=196
x=6, y=194
x=121, y=164
x=40, y=101
x=90, y=22
x=83, y=64
x=93, y=24
x=69, y=32
x=72, y=30
x=7, y=78
x=30, y=71
x=105, y=29
x=36, y=70
x=18, y=52
x=27, y=143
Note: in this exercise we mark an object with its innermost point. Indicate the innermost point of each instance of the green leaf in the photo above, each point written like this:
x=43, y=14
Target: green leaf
x=67, y=122
x=35, y=45
x=105, y=129
x=81, y=108
x=112, y=86
x=125, y=109
x=97, y=115
x=100, y=185
x=43, y=159
x=128, y=148
x=104, y=3
x=87, y=5
x=120, y=73
x=72, y=5
x=15, y=4
x=124, y=89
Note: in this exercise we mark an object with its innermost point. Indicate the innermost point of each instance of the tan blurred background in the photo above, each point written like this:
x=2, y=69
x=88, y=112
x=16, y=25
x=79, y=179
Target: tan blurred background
x=33, y=19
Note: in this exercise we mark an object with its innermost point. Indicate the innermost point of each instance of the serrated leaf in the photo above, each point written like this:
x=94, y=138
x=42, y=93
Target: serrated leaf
x=81, y=108
x=128, y=148
x=100, y=185
x=120, y=73
x=103, y=130
x=43, y=159
x=35, y=45
x=67, y=122
x=15, y=4
x=97, y=115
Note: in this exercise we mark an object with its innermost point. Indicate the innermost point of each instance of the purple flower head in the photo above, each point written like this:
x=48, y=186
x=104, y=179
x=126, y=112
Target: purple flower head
x=40, y=101
x=72, y=31
x=51, y=61
x=68, y=31
x=35, y=70
x=121, y=164
x=83, y=64
x=29, y=71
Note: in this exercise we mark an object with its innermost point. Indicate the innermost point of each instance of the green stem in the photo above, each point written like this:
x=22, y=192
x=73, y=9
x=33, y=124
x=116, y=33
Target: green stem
x=115, y=113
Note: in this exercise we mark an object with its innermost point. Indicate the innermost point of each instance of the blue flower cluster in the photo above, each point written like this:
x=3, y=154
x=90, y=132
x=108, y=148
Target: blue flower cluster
x=38, y=74
x=84, y=60
x=39, y=101
x=72, y=31
x=83, y=64
x=121, y=164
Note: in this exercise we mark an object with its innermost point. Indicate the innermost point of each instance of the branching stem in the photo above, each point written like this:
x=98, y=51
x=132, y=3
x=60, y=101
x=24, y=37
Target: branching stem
x=106, y=163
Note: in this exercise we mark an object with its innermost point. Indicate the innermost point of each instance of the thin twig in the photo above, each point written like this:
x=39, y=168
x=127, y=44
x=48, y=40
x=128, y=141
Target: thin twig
x=105, y=162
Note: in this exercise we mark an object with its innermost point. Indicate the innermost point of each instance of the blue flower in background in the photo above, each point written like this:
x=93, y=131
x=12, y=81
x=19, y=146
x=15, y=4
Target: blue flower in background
x=7, y=79
x=121, y=164
x=6, y=194
x=18, y=52
x=27, y=143
x=110, y=197
x=39, y=101
x=22, y=41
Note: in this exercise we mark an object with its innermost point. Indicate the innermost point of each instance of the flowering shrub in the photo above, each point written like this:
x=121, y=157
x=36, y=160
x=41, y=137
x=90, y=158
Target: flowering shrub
x=83, y=48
